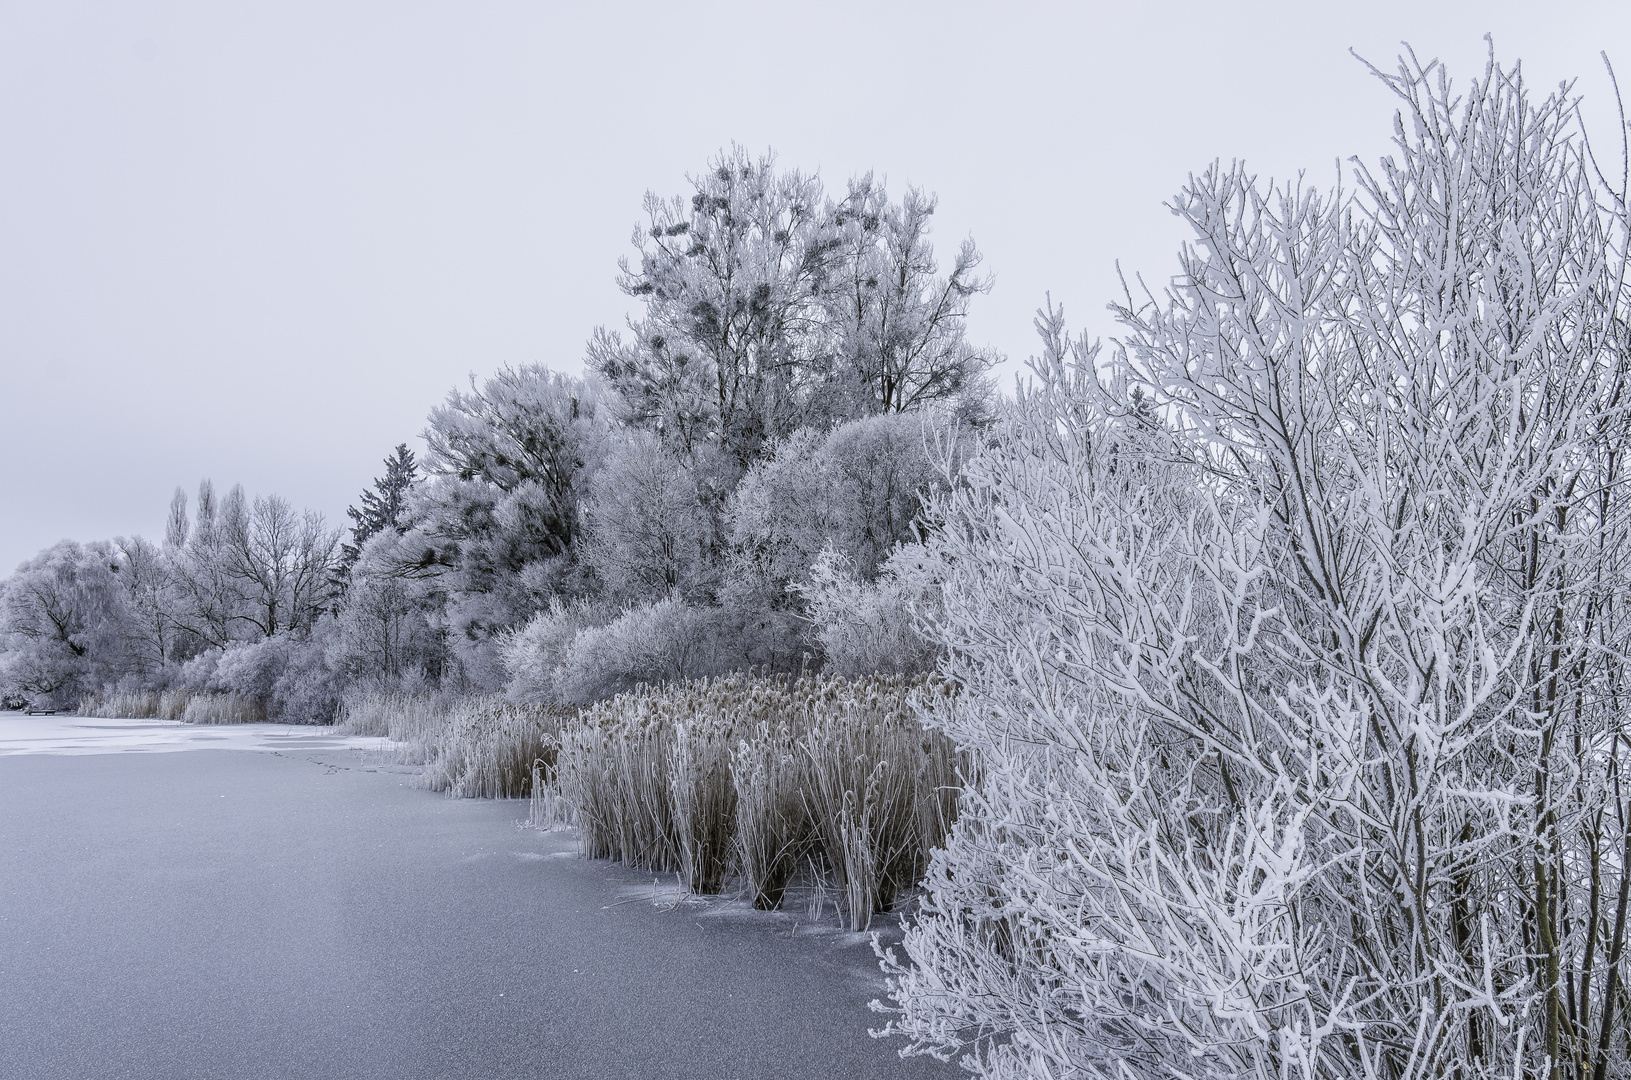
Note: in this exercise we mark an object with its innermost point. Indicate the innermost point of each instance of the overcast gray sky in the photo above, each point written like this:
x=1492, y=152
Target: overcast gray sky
x=258, y=241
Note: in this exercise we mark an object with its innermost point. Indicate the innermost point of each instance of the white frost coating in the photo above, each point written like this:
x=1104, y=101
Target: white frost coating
x=1294, y=654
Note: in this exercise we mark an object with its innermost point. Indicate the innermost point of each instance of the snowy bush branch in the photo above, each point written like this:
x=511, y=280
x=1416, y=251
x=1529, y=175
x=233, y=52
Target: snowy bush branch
x=1293, y=645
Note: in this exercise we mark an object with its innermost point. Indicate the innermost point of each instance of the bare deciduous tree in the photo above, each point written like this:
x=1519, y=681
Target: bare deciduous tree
x=279, y=559
x=898, y=330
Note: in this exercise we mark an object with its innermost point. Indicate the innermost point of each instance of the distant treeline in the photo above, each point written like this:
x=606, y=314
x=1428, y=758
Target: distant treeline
x=731, y=485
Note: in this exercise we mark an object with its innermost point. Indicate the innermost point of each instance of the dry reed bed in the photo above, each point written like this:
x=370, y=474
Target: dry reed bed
x=473, y=748
x=490, y=749
x=188, y=706
x=758, y=776
x=401, y=717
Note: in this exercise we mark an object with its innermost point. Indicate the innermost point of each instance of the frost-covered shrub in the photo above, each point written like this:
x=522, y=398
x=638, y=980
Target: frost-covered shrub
x=307, y=690
x=250, y=669
x=767, y=641
x=867, y=628
x=535, y=656
x=1295, y=694
x=198, y=671
x=857, y=490
x=877, y=471
x=288, y=678
x=662, y=642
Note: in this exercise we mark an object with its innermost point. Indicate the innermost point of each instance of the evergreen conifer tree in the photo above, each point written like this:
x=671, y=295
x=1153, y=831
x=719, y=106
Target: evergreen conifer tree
x=382, y=505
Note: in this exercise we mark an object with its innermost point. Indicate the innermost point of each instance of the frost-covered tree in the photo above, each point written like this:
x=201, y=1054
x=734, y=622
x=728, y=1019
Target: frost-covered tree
x=176, y=523
x=769, y=309
x=208, y=598
x=150, y=600
x=522, y=426
x=249, y=569
x=63, y=623
x=280, y=561
x=776, y=326
x=728, y=349
x=392, y=625
x=383, y=506
x=858, y=490
x=898, y=331
x=496, y=521
x=1298, y=717
x=649, y=534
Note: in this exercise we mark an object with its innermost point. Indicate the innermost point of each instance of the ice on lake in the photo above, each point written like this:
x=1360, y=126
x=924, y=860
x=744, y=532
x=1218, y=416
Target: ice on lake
x=23, y=734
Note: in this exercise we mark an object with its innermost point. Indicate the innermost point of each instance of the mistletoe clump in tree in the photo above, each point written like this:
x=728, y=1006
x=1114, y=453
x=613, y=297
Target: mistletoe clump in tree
x=1298, y=713
x=769, y=307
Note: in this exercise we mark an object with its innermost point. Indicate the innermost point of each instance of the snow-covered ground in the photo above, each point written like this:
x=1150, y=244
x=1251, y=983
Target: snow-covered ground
x=23, y=734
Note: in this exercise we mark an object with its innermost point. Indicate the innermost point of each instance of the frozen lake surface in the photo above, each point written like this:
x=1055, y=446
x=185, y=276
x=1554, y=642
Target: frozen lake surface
x=21, y=734
x=266, y=905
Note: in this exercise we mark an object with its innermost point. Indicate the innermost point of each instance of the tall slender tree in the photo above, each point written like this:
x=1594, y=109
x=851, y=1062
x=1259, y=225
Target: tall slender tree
x=176, y=524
